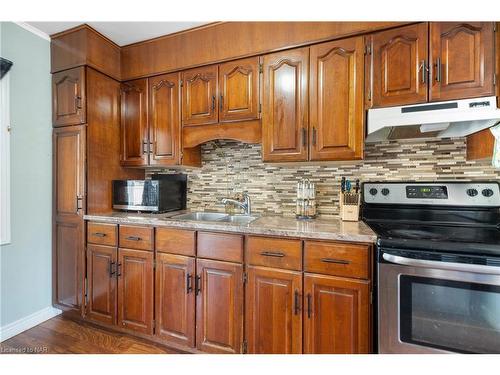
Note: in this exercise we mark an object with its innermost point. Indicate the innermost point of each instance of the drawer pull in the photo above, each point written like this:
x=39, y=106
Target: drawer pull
x=98, y=234
x=118, y=270
x=197, y=285
x=296, y=303
x=134, y=238
x=336, y=261
x=275, y=254
x=309, y=305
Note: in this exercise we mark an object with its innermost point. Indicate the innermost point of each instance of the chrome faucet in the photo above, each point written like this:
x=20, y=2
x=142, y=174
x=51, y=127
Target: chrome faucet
x=243, y=203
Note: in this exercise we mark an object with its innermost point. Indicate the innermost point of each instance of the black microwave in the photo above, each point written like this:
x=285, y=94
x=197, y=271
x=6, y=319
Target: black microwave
x=162, y=193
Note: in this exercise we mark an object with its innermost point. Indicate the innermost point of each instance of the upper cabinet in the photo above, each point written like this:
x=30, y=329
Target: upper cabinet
x=400, y=66
x=336, y=107
x=199, y=96
x=285, y=113
x=462, y=62
x=458, y=64
x=68, y=97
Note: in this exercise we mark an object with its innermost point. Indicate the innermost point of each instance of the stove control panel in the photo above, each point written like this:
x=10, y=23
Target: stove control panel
x=474, y=194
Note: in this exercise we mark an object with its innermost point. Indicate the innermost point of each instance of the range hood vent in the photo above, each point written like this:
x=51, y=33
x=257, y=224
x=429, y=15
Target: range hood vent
x=457, y=118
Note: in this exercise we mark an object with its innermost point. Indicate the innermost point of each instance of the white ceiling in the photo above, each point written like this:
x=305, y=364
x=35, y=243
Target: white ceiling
x=122, y=33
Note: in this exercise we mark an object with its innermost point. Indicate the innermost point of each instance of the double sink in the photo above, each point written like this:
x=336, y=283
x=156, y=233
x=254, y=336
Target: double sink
x=215, y=217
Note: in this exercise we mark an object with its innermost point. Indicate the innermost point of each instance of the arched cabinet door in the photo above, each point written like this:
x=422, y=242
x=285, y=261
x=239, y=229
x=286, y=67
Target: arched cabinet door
x=164, y=119
x=336, y=125
x=462, y=60
x=400, y=66
x=285, y=116
x=199, y=96
x=239, y=90
x=68, y=97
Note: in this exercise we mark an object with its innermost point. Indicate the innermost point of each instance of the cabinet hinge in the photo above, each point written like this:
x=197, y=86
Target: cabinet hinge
x=261, y=68
x=260, y=108
x=369, y=94
x=245, y=277
x=182, y=83
x=368, y=49
x=244, y=347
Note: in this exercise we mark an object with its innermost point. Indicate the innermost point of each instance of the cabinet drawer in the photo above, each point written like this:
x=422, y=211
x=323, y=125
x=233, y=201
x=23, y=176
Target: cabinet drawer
x=339, y=259
x=175, y=241
x=132, y=237
x=102, y=234
x=220, y=246
x=274, y=252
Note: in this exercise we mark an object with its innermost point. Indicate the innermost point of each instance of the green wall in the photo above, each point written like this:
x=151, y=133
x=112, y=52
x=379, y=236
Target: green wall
x=25, y=263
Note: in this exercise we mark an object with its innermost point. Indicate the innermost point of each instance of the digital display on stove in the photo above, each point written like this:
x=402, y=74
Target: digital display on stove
x=427, y=192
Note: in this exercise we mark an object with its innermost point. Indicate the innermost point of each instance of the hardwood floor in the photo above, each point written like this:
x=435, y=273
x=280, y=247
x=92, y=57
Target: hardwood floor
x=61, y=335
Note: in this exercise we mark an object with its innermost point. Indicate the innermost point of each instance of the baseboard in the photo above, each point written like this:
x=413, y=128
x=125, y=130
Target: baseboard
x=23, y=324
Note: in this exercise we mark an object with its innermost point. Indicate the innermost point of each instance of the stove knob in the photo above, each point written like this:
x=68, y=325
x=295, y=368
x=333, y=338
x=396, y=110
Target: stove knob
x=385, y=191
x=472, y=192
x=487, y=192
x=373, y=191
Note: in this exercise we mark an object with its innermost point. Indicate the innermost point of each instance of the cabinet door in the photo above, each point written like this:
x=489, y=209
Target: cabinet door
x=101, y=277
x=284, y=106
x=239, y=90
x=135, y=290
x=273, y=311
x=462, y=60
x=164, y=119
x=400, y=66
x=134, y=123
x=336, y=315
x=175, y=300
x=68, y=97
x=219, y=306
x=200, y=102
x=337, y=71
x=68, y=210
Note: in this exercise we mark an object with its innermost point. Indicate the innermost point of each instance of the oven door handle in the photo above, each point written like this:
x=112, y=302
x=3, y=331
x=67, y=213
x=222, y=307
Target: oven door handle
x=461, y=267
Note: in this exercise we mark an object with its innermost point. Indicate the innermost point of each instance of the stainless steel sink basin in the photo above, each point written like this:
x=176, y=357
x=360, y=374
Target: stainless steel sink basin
x=215, y=217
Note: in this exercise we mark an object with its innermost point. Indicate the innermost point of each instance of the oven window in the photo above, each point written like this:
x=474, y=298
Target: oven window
x=450, y=315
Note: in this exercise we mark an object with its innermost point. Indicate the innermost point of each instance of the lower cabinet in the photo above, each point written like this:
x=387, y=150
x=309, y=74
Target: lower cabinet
x=273, y=311
x=175, y=299
x=336, y=315
x=219, y=306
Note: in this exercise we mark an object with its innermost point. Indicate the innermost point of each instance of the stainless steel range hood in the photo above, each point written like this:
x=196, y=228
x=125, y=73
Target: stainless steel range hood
x=456, y=118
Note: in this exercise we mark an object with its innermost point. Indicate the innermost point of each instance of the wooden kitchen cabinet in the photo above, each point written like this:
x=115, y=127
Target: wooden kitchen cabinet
x=175, y=299
x=285, y=115
x=239, y=90
x=219, y=306
x=336, y=103
x=400, y=63
x=101, y=279
x=134, y=123
x=274, y=311
x=135, y=290
x=68, y=97
x=68, y=210
x=200, y=102
x=336, y=315
x=462, y=59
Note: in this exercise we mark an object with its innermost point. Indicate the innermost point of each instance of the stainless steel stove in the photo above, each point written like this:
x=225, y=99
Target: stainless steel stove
x=438, y=265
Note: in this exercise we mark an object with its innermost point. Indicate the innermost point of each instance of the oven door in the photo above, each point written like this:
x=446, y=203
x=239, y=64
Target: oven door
x=437, y=307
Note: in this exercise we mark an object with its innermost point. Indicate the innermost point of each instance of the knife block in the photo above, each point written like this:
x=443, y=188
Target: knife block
x=349, y=206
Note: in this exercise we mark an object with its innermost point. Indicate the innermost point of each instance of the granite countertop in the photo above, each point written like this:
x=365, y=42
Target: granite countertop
x=320, y=228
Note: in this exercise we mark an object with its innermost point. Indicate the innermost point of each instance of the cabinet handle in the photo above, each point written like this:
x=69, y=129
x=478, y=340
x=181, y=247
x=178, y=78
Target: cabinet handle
x=221, y=105
x=145, y=147
x=78, y=102
x=309, y=305
x=275, y=254
x=189, y=283
x=336, y=261
x=98, y=234
x=213, y=102
x=79, y=201
x=423, y=71
x=438, y=69
x=304, y=137
x=118, y=270
x=296, y=303
x=314, y=137
x=133, y=238
x=197, y=284
x=111, y=271
x=151, y=147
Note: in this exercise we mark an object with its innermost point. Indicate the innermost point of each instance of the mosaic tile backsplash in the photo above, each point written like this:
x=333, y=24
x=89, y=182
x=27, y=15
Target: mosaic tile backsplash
x=231, y=167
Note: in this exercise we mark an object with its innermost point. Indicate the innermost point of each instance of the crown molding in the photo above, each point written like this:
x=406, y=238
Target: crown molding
x=33, y=30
